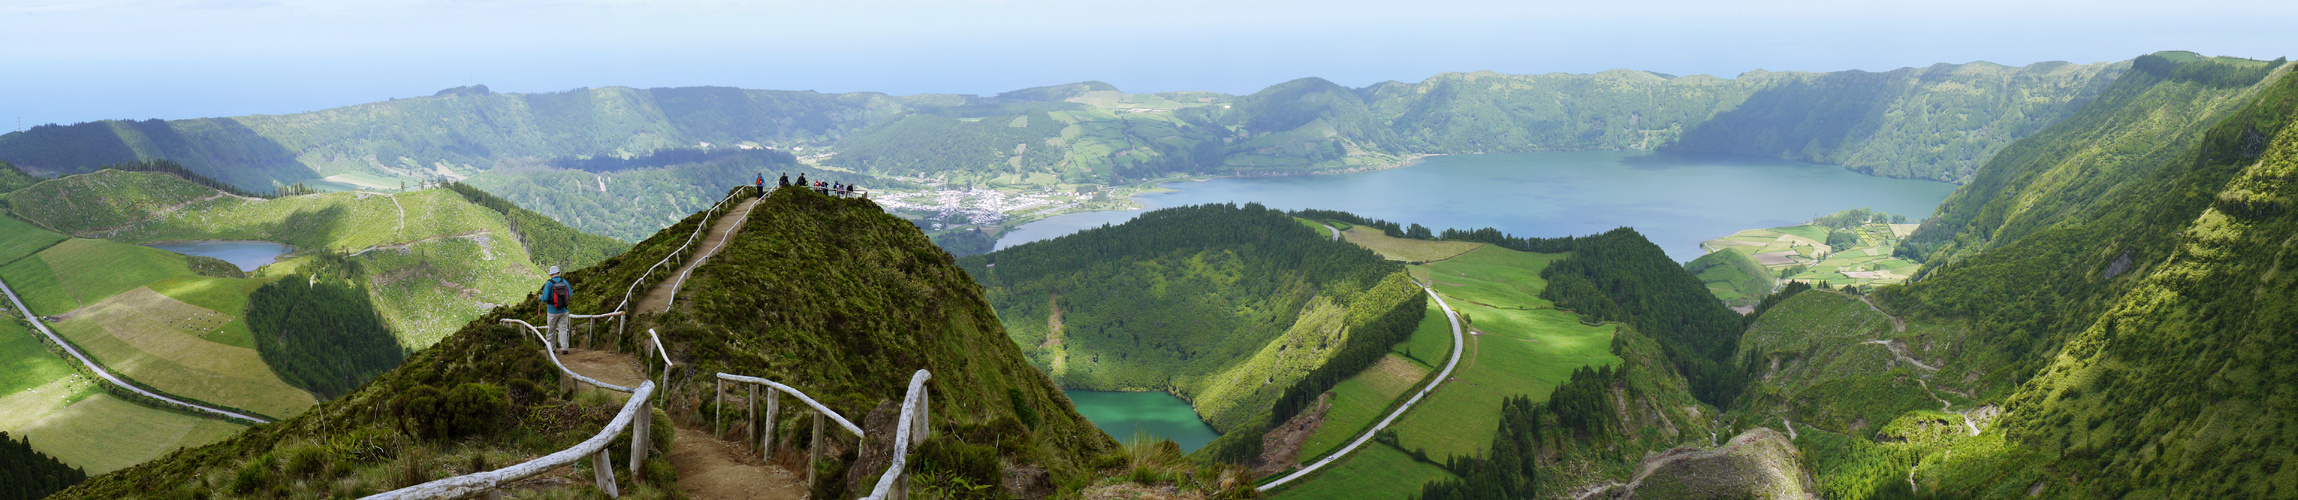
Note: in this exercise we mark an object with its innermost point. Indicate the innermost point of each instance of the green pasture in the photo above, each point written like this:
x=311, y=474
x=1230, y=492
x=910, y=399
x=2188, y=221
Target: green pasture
x=1374, y=471
x=1314, y=226
x=157, y=341
x=1362, y=400
x=25, y=361
x=19, y=239
x=77, y=272
x=102, y=433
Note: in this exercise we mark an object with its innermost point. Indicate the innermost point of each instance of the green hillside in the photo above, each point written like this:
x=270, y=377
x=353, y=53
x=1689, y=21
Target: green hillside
x=1225, y=306
x=809, y=279
x=2142, y=123
x=1938, y=122
x=2113, y=334
x=433, y=259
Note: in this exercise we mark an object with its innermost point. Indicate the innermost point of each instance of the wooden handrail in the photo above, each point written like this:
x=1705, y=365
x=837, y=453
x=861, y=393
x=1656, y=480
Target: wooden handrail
x=826, y=411
x=913, y=422
x=595, y=447
x=553, y=353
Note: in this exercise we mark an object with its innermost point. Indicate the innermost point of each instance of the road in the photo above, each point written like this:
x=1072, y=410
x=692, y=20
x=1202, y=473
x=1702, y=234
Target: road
x=106, y=374
x=1457, y=345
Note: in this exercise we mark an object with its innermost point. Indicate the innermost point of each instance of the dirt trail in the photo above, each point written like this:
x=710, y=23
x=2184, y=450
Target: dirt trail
x=1899, y=350
x=1898, y=324
x=659, y=298
x=610, y=367
x=711, y=468
x=707, y=467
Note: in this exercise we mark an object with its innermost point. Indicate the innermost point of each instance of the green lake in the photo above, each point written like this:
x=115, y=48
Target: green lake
x=1121, y=414
x=1677, y=200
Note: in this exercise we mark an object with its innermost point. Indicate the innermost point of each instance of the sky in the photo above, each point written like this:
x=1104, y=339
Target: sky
x=83, y=60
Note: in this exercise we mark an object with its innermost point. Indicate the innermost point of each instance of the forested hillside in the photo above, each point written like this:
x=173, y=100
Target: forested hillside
x=1938, y=122
x=1226, y=306
x=2147, y=119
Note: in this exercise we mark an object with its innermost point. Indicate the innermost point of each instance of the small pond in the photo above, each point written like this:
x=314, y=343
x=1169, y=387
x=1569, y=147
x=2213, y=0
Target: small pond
x=1122, y=413
x=247, y=254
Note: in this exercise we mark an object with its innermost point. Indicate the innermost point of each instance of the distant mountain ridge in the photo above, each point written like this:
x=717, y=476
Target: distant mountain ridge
x=1933, y=123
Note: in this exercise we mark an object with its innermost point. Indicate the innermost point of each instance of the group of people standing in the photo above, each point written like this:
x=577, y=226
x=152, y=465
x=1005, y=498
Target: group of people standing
x=824, y=187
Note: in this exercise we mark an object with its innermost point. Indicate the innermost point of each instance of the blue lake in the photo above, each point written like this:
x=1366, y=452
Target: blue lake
x=1677, y=200
x=248, y=255
x=1121, y=414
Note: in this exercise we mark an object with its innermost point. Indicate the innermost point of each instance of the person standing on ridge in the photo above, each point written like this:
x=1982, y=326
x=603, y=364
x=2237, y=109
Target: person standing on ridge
x=556, y=294
x=786, y=179
x=761, y=184
x=802, y=180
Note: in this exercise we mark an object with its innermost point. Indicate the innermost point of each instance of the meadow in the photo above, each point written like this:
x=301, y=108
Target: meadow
x=155, y=340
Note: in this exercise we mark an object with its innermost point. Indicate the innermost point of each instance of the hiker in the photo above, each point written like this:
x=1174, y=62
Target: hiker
x=786, y=179
x=761, y=184
x=802, y=180
x=556, y=293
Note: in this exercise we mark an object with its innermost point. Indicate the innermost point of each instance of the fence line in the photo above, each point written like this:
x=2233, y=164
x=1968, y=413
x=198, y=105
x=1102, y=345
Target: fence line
x=637, y=417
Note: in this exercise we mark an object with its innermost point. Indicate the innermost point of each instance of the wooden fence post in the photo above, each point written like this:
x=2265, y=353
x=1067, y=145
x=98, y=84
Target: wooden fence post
x=605, y=473
x=814, y=451
x=718, y=411
x=773, y=409
x=751, y=424
x=640, y=433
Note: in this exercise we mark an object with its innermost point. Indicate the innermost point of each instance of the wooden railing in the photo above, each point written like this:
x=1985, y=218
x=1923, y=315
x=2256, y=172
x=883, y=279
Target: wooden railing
x=637, y=417
x=913, y=422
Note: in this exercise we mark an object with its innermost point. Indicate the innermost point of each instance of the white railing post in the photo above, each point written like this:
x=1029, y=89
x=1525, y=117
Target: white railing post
x=718, y=410
x=751, y=424
x=773, y=409
x=605, y=473
x=814, y=451
x=640, y=433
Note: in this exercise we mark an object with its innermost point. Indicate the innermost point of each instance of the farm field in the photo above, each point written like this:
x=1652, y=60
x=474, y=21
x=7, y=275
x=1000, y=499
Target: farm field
x=1362, y=400
x=78, y=272
x=19, y=239
x=1374, y=471
x=101, y=433
x=1518, y=345
x=25, y=361
x=1800, y=253
x=155, y=340
x=1404, y=249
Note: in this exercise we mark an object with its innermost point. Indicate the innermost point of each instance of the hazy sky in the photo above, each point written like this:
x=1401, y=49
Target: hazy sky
x=76, y=60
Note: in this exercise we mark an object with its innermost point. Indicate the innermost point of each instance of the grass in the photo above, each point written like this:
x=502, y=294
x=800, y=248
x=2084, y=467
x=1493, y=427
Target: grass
x=1374, y=471
x=156, y=340
x=103, y=433
x=1404, y=249
x=25, y=361
x=85, y=271
x=1431, y=342
x=224, y=295
x=1362, y=400
x=1314, y=226
x=19, y=239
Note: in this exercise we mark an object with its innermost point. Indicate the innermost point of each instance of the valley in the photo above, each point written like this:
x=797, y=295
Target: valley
x=1498, y=286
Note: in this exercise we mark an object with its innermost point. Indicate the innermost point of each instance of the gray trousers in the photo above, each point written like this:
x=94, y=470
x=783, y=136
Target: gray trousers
x=559, y=323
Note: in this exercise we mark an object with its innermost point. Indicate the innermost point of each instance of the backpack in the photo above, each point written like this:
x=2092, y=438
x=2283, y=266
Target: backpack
x=558, y=295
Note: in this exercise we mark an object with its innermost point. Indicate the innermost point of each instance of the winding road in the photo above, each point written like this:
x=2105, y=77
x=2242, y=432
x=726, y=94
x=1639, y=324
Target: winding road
x=107, y=374
x=1457, y=345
